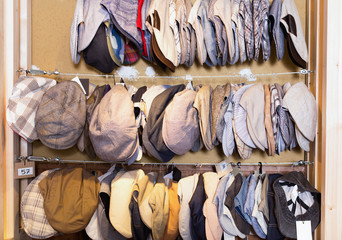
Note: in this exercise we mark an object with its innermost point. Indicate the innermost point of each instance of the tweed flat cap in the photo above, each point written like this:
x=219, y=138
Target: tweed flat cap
x=180, y=125
x=61, y=115
x=23, y=105
x=112, y=128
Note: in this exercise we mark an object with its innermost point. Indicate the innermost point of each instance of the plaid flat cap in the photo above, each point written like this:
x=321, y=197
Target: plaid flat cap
x=32, y=210
x=23, y=104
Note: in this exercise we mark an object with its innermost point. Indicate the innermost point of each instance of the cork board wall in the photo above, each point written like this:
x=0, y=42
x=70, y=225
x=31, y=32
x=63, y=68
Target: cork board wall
x=51, y=22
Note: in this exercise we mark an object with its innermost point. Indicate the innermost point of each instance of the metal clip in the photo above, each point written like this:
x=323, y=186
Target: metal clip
x=304, y=71
x=36, y=72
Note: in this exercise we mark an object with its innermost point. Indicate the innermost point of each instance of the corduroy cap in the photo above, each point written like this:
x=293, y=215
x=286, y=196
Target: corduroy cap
x=112, y=128
x=180, y=125
x=23, y=104
x=71, y=196
x=61, y=115
x=305, y=208
x=303, y=108
x=152, y=134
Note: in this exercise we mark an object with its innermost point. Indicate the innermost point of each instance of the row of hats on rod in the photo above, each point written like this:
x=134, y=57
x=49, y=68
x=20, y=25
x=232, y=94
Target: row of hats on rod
x=173, y=32
x=132, y=204
x=120, y=123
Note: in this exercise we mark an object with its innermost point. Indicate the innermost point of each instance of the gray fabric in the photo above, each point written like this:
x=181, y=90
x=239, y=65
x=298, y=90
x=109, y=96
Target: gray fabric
x=208, y=33
x=277, y=31
x=61, y=115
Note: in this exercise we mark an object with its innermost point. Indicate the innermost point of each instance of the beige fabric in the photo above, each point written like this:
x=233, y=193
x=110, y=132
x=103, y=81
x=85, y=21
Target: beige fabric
x=263, y=205
x=268, y=121
x=222, y=9
x=164, y=35
x=217, y=98
x=195, y=23
x=203, y=105
x=145, y=209
x=253, y=101
x=213, y=228
x=121, y=194
x=159, y=202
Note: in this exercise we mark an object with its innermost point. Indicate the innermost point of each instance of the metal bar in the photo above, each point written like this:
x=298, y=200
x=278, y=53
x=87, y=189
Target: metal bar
x=58, y=160
x=186, y=77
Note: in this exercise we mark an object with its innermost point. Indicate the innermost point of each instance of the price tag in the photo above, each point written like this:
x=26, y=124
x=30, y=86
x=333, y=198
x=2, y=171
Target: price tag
x=24, y=170
x=223, y=168
x=303, y=230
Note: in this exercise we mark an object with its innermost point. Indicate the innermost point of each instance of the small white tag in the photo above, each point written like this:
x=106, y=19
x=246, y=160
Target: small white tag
x=120, y=83
x=25, y=171
x=223, y=168
x=303, y=230
x=77, y=80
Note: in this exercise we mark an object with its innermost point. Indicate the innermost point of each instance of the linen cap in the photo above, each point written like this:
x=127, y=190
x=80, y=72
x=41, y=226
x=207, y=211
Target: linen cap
x=112, y=128
x=119, y=213
x=23, y=104
x=186, y=187
x=71, y=196
x=107, y=230
x=93, y=231
x=152, y=134
x=150, y=94
x=32, y=210
x=302, y=141
x=91, y=104
x=296, y=41
x=180, y=125
x=203, y=105
x=145, y=209
x=253, y=101
x=303, y=108
x=240, y=118
x=307, y=204
x=61, y=115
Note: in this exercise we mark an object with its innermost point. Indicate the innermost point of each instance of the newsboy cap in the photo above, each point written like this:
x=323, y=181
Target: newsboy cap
x=23, y=104
x=61, y=115
x=180, y=125
x=71, y=196
x=112, y=128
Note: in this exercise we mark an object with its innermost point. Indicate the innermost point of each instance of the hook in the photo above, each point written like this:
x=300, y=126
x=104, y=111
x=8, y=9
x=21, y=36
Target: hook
x=238, y=164
x=260, y=167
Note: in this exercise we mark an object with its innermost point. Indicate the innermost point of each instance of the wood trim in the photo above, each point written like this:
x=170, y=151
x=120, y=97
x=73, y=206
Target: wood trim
x=2, y=120
x=331, y=139
x=11, y=54
x=25, y=63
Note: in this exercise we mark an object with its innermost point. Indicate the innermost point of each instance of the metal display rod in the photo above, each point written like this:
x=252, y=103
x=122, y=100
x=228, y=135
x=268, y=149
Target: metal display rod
x=186, y=77
x=58, y=160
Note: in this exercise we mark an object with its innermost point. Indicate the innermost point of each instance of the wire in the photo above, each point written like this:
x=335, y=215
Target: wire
x=186, y=77
x=58, y=160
